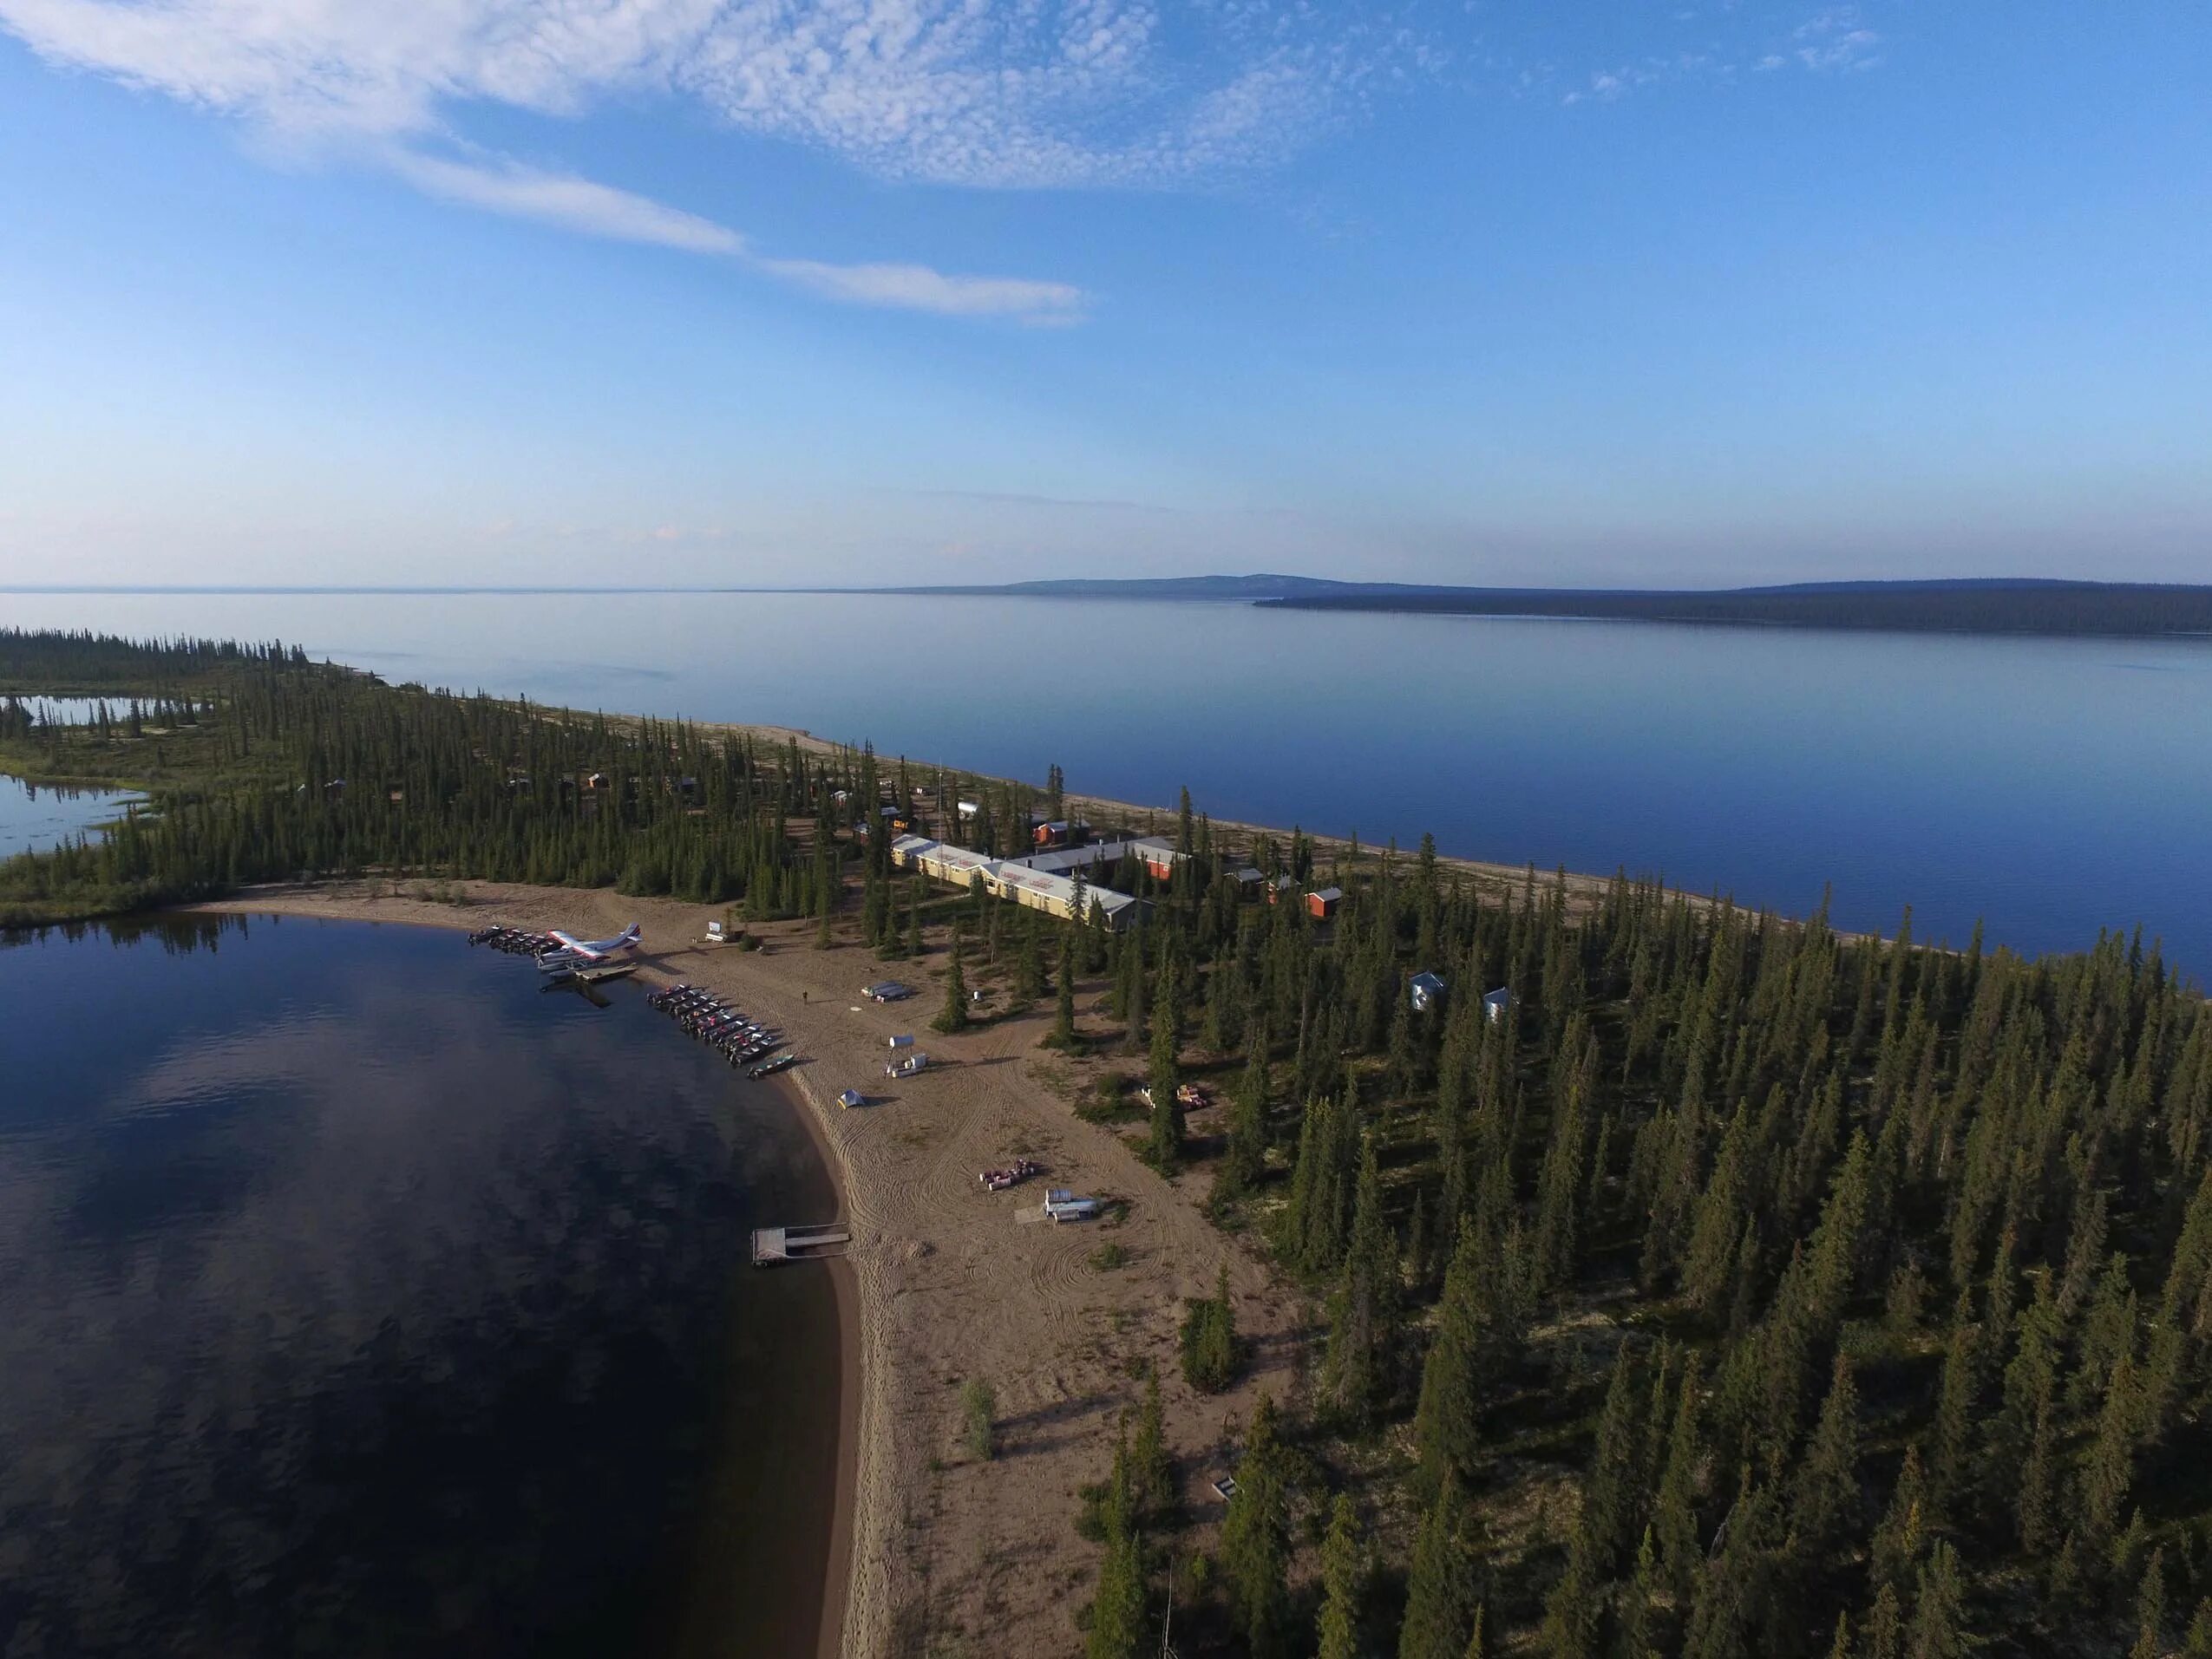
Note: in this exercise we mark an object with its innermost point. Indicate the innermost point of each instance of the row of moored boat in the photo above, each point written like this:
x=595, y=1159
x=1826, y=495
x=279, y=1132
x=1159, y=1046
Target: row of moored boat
x=515, y=941
x=721, y=1027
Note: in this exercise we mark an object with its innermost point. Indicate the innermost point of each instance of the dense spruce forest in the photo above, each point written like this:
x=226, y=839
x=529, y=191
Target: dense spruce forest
x=1728, y=1288
x=259, y=765
x=1744, y=1290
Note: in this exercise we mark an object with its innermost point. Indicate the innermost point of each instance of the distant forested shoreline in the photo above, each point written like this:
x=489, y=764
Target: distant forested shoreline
x=2083, y=608
x=1998, y=605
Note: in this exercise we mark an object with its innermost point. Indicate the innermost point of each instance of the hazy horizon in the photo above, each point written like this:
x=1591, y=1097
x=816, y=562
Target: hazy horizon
x=914, y=292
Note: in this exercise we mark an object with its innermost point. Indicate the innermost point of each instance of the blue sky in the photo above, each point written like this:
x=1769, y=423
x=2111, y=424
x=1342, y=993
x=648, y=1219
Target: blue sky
x=1519, y=291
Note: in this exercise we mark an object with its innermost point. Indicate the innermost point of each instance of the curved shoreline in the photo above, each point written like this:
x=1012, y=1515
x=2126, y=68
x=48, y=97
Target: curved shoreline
x=836, y=1623
x=942, y=1285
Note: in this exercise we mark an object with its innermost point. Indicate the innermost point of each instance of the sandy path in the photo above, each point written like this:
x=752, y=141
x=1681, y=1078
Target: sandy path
x=946, y=1552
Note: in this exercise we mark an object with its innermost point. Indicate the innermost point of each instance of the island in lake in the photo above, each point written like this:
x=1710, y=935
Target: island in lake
x=1479, y=1261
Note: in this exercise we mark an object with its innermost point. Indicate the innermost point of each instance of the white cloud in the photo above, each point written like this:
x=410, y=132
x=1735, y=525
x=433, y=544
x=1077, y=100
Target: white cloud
x=501, y=186
x=574, y=204
x=1034, y=92
x=1837, y=40
x=902, y=85
x=918, y=288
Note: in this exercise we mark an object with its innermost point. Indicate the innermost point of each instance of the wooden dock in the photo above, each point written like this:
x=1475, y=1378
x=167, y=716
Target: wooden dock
x=772, y=1246
x=605, y=971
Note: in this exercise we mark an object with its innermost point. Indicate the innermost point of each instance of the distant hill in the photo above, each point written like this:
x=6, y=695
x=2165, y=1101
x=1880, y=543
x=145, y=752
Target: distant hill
x=1970, y=605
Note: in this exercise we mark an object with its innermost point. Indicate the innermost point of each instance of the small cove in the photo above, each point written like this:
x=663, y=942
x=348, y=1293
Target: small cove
x=363, y=1297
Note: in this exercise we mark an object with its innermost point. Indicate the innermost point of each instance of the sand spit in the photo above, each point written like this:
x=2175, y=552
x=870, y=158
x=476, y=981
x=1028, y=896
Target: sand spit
x=950, y=1283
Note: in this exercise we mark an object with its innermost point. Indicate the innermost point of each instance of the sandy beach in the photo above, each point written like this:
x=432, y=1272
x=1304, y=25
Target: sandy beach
x=947, y=1283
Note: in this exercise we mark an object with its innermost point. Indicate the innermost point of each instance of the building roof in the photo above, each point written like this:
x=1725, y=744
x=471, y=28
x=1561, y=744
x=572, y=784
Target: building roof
x=1046, y=884
x=1248, y=874
x=1427, y=982
x=1327, y=895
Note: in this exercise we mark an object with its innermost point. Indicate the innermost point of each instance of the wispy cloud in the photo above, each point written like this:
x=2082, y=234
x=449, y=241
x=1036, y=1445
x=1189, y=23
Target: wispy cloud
x=1837, y=40
x=501, y=186
x=1033, y=92
x=1735, y=41
x=918, y=288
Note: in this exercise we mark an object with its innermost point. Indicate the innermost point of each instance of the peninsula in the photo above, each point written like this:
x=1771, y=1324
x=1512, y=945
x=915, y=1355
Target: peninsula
x=1486, y=1264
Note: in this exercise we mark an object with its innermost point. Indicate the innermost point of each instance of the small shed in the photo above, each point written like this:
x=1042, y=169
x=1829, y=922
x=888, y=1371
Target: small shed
x=1427, y=991
x=1321, y=904
x=1250, y=883
x=970, y=808
x=1497, y=1004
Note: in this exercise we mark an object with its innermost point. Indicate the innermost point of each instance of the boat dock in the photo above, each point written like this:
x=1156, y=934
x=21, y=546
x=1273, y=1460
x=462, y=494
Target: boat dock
x=773, y=1246
x=604, y=972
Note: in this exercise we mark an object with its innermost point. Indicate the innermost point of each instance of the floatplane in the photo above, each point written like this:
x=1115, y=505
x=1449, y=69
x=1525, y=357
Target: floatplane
x=570, y=954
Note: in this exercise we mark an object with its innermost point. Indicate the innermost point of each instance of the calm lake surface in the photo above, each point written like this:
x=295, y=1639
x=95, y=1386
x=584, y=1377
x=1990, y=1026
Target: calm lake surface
x=358, y=1297
x=2051, y=787
x=36, y=816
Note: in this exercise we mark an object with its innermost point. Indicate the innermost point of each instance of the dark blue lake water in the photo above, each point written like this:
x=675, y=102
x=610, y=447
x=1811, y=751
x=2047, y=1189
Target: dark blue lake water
x=2051, y=787
x=357, y=1297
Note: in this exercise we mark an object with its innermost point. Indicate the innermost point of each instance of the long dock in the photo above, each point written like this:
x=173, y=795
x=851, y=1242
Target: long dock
x=774, y=1246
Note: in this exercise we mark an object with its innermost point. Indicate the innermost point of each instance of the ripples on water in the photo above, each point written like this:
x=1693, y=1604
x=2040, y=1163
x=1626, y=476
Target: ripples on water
x=354, y=1296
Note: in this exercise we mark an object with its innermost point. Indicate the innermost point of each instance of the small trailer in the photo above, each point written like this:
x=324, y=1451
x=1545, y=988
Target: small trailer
x=908, y=1067
x=907, y=1042
x=1061, y=1204
x=888, y=991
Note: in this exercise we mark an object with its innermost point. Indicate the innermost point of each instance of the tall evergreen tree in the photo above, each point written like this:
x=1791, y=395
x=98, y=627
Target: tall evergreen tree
x=1446, y=1425
x=1344, y=1571
x=1361, y=1360
x=1441, y=1592
x=1255, y=1540
x=954, y=1015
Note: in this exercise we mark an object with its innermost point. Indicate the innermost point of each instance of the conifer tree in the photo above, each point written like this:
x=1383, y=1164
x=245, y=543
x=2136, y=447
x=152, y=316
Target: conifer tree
x=2110, y=1468
x=2150, y=1610
x=1634, y=1636
x=1209, y=1338
x=1826, y=1500
x=1674, y=1516
x=2197, y=1645
x=1029, y=964
x=1164, y=1145
x=1246, y=1158
x=1255, y=1540
x=1344, y=1571
x=1117, y=1611
x=1446, y=1433
x=1895, y=1553
x=1938, y=1629
x=1358, y=1366
x=1885, y=1626
x=954, y=1015
x=1441, y=1592
x=1152, y=1472
x=1064, y=1013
